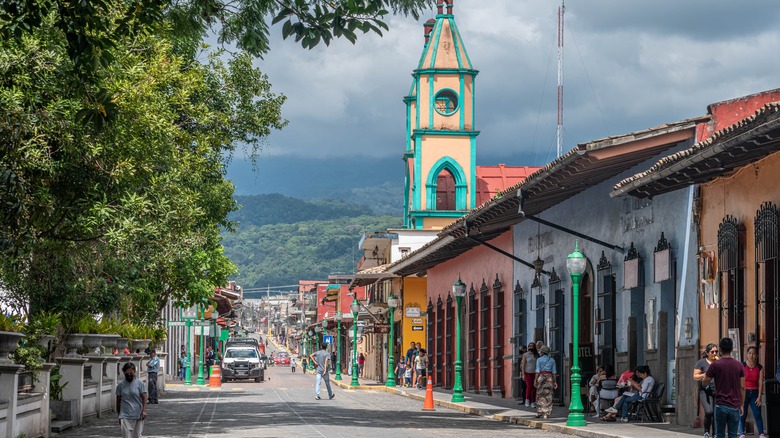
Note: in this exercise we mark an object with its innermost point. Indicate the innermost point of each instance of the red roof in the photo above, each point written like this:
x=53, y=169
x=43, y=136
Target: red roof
x=492, y=179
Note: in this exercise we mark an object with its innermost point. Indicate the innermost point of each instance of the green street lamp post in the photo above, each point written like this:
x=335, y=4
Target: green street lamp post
x=459, y=290
x=575, y=263
x=338, y=318
x=392, y=303
x=189, y=315
x=355, y=308
x=200, y=380
x=314, y=341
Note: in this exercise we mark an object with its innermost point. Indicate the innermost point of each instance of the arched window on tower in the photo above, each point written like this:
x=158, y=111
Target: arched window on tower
x=445, y=191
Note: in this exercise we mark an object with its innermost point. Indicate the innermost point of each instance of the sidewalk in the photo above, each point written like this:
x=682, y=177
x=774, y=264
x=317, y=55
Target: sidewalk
x=511, y=411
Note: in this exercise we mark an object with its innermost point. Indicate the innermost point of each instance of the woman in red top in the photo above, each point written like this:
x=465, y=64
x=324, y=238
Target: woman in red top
x=754, y=389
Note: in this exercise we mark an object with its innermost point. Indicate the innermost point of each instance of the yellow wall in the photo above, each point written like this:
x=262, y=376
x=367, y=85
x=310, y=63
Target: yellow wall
x=437, y=223
x=414, y=295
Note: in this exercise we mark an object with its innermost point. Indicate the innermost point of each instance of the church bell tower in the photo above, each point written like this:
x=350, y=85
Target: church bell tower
x=441, y=142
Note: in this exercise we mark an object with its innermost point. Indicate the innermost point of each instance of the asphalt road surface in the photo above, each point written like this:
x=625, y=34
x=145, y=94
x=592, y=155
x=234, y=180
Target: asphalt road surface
x=285, y=406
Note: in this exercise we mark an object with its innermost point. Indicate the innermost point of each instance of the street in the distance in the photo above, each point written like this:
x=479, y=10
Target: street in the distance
x=284, y=406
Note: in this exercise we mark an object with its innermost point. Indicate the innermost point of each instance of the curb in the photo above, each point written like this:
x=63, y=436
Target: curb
x=531, y=423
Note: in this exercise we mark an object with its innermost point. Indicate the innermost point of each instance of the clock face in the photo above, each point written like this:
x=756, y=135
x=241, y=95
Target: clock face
x=446, y=102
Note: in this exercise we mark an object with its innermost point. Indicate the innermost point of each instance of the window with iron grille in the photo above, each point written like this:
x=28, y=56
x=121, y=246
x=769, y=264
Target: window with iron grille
x=438, y=368
x=448, y=343
x=731, y=245
x=556, y=328
x=605, y=312
x=498, y=338
x=768, y=277
x=484, y=338
x=471, y=359
x=521, y=322
x=431, y=319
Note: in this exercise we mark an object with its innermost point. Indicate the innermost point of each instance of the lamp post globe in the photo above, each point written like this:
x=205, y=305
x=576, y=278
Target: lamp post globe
x=338, y=319
x=392, y=303
x=576, y=264
x=459, y=291
x=355, y=308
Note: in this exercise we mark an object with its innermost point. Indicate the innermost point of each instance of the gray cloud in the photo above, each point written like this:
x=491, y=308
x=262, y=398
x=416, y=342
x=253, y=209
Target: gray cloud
x=630, y=65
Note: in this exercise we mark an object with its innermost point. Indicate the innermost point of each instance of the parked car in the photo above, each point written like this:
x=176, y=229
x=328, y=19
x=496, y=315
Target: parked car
x=242, y=362
x=282, y=358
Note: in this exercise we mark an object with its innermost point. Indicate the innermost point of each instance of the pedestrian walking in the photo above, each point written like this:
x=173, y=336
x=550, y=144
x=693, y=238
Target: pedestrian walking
x=292, y=364
x=209, y=359
x=729, y=374
x=131, y=403
x=546, y=382
x=400, y=371
x=706, y=393
x=421, y=367
x=333, y=362
x=528, y=369
x=410, y=355
x=152, y=368
x=320, y=359
x=754, y=389
x=184, y=363
x=361, y=363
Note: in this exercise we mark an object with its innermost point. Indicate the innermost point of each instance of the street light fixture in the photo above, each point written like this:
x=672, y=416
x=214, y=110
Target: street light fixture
x=459, y=290
x=189, y=314
x=201, y=380
x=355, y=308
x=338, y=319
x=392, y=303
x=576, y=263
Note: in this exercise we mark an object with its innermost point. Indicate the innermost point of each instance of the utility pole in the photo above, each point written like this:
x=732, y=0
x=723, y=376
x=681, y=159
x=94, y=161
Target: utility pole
x=268, y=314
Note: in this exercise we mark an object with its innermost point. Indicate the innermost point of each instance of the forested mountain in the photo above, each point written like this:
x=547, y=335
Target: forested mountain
x=281, y=240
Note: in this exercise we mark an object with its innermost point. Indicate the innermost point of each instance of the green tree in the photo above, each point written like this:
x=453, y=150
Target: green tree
x=128, y=214
x=92, y=29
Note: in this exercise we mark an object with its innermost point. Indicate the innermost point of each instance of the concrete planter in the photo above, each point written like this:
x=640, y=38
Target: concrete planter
x=8, y=343
x=73, y=342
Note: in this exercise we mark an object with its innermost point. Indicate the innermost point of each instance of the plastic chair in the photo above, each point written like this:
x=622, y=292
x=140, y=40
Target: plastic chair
x=648, y=408
x=608, y=392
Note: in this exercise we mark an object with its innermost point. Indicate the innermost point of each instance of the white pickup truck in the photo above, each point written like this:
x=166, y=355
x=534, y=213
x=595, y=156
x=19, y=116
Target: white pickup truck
x=242, y=362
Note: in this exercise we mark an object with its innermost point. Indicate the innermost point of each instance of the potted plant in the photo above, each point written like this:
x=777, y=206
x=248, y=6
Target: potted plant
x=10, y=335
x=43, y=327
x=109, y=331
x=158, y=334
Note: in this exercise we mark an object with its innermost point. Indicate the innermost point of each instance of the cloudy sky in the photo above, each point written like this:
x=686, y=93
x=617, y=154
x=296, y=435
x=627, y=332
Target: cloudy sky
x=629, y=65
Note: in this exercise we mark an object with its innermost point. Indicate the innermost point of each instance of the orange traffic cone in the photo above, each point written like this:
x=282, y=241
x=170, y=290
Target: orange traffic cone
x=215, y=379
x=428, y=406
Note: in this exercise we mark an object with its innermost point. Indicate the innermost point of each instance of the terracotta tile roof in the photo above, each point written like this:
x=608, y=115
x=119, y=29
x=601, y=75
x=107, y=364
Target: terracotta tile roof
x=493, y=179
x=371, y=275
x=583, y=167
x=745, y=141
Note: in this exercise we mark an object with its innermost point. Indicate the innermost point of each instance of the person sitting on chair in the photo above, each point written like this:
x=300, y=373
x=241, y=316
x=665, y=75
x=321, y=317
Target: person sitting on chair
x=642, y=391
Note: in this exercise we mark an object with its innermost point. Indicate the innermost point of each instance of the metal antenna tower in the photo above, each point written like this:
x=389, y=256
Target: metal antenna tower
x=559, y=131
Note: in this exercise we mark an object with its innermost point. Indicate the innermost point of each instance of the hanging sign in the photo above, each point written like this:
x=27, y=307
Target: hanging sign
x=412, y=312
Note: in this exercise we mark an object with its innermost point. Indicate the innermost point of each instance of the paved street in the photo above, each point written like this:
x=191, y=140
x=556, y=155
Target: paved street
x=284, y=406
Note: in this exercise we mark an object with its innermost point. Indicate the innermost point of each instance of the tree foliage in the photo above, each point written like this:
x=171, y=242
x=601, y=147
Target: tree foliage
x=93, y=29
x=122, y=215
